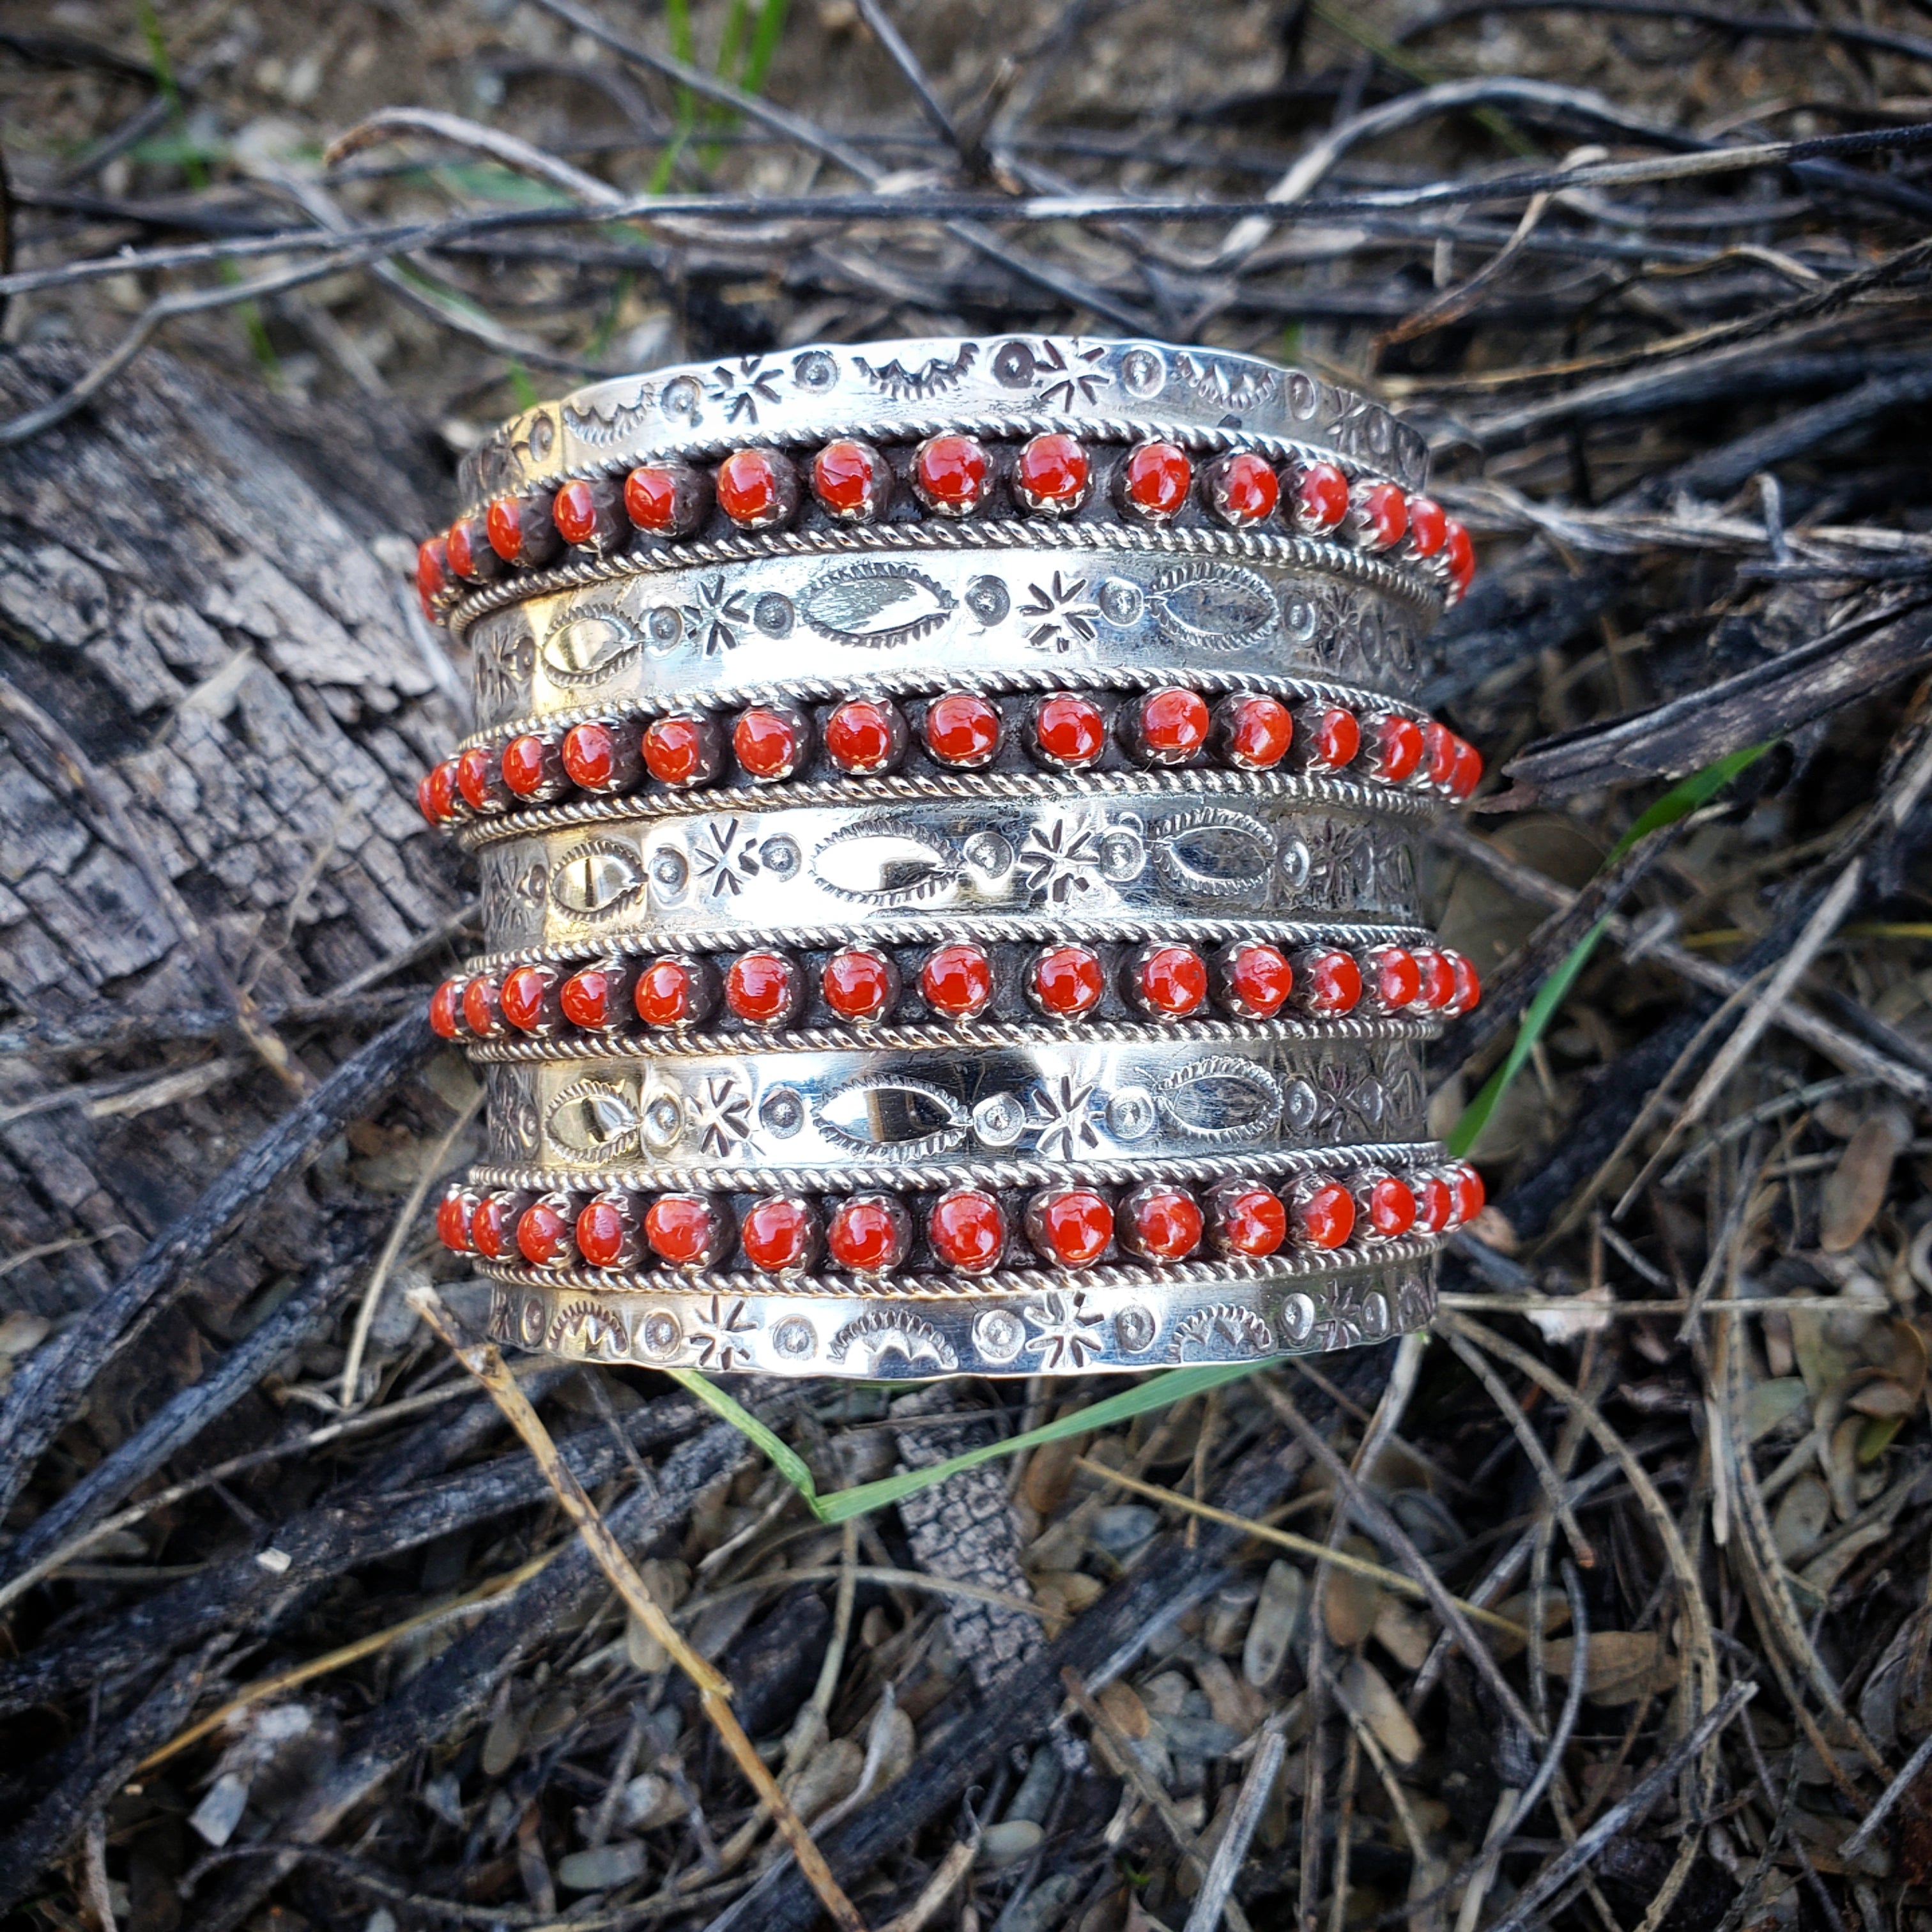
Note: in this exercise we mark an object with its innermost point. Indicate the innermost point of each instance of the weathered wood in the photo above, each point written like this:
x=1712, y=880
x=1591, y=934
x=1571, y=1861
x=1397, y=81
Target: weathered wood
x=211, y=604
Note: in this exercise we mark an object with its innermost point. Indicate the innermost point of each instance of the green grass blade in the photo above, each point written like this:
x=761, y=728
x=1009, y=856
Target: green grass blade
x=765, y=37
x=785, y=1459
x=1689, y=795
x=1156, y=1392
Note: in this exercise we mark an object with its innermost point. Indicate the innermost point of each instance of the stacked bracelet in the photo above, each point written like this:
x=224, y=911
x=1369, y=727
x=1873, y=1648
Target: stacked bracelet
x=946, y=814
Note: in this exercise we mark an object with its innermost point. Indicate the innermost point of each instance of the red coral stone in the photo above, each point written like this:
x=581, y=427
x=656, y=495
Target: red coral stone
x=530, y=763
x=491, y=1227
x=1435, y=1203
x=591, y=997
x=858, y=984
x=869, y=1234
x=482, y=1013
x=1438, y=979
x=1246, y=1218
x=1460, y=554
x=1428, y=526
x=1395, y=748
x=1257, y=980
x=452, y=1222
x=1070, y=731
x=1390, y=1206
x=1170, y=981
x=957, y=980
x=769, y=741
x=436, y=795
x=1173, y=725
x=950, y=474
x=1257, y=732
x=851, y=480
x=1438, y=749
x=601, y=757
x=779, y=1234
x=682, y=1229
x=1067, y=981
x=1164, y=1224
x=865, y=736
x=1051, y=473
x=1332, y=736
x=757, y=488
x=1384, y=511
x=664, y=500
x=1465, y=769
x=1331, y=983
x=671, y=993
x=1071, y=1226
x=1468, y=987
x=432, y=568
x=1155, y=480
x=471, y=554
x=961, y=729
x=1394, y=980
x=1467, y=1192
x=543, y=1234
x=1243, y=489
x=573, y=511
x=607, y=1232
x=479, y=780
x=967, y=1229
x=682, y=750
x=520, y=530
x=763, y=988
x=1321, y=498
x=526, y=994
x=445, y=1010
x=1325, y=1215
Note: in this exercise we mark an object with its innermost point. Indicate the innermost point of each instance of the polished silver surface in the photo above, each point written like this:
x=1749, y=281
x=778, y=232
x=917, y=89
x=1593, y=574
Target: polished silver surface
x=917, y=386
x=1027, y=603
x=1036, y=1110
x=1010, y=1102
x=1116, y=863
x=1126, y=1320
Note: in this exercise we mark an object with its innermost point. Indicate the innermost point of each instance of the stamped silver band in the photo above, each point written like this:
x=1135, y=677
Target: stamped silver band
x=634, y=628
x=1111, y=390
x=1066, y=1329
x=1070, y=1103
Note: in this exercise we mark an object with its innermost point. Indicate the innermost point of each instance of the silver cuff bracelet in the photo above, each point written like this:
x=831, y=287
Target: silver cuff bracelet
x=946, y=816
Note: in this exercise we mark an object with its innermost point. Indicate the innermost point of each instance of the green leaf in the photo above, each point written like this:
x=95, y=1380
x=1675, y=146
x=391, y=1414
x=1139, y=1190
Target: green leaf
x=1689, y=795
x=786, y=1460
x=1158, y=1391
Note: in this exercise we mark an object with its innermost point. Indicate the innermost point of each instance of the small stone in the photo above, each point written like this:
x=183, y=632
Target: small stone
x=1278, y=1613
x=830, y=1775
x=1354, y=1601
x=217, y=1814
x=617, y=1863
x=1365, y=1691
x=1007, y=1843
x=649, y=1801
x=1404, y=1632
x=1122, y=1527
x=503, y=1741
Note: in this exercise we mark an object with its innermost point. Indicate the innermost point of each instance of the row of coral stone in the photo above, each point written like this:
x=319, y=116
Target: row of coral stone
x=956, y=731
x=966, y=1230
x=950, y=475
x=1249, y=979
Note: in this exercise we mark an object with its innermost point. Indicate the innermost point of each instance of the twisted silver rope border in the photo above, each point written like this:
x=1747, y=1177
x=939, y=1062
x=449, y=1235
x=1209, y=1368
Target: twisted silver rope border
x=1289, y=553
